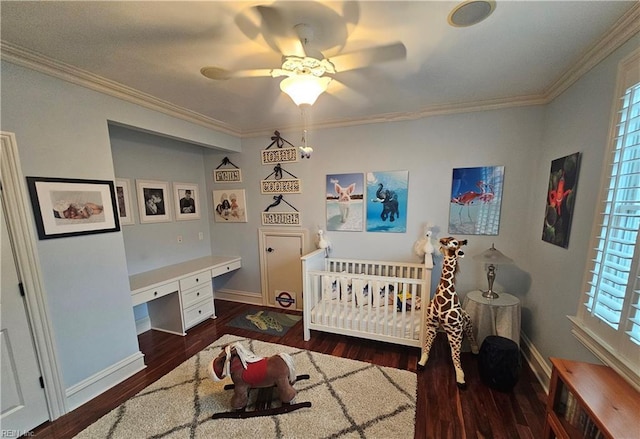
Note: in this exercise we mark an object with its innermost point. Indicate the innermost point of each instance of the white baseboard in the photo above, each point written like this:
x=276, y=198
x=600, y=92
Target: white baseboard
x=536, y=361
x=102, y=381
x=239, y=296
x=143, y=325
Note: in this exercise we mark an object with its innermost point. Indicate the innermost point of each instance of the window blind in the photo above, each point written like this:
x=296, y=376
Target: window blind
x=614, y=290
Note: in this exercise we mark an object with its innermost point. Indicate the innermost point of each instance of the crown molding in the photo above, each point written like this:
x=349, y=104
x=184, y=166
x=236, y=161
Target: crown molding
x=35, y=61
x=625, y=28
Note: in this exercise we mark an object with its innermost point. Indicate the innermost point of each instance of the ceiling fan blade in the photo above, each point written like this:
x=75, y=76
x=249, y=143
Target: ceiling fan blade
x=367, y=57
x=219, y=73
x=280, y=32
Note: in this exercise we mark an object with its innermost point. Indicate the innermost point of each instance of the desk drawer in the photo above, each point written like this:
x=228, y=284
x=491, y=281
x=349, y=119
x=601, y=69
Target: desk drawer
x=196, y=295
x=226, y=268
x=198, y=312
x=204, y=277
x=154, y=293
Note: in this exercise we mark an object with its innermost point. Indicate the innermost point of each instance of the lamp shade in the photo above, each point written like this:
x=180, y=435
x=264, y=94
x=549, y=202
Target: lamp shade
x=303, y=88
x=493, y=256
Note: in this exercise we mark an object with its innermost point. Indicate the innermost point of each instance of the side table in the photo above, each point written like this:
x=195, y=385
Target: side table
x=499, y=316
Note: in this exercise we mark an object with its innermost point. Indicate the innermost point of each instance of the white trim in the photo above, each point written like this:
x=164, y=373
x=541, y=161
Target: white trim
x=238, y=296
x=541, y=369
x=23, y=237
x=143, y=325
x=102, y=381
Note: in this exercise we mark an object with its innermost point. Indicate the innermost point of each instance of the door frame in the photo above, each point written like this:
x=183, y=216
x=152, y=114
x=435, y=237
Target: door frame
x=28, y=264
x=263, y=233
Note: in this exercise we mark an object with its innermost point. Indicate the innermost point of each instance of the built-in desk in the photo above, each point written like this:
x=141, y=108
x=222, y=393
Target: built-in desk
x=180, y=296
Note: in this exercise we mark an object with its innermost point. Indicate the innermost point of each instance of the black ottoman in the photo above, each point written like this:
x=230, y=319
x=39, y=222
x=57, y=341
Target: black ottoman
x=499, y=363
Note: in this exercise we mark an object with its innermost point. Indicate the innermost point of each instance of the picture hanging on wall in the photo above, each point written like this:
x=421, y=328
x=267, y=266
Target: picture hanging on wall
x=187, y=201
x=476, y=197
x=123, y=195
x=153, y=201
x=230, y=206
x=345, y=202
x=561, y=195
x=387, y=194
x=69, y=207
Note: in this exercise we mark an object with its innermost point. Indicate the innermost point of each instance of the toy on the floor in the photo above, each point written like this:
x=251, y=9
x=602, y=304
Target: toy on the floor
x=445, y=310
x=248, y=371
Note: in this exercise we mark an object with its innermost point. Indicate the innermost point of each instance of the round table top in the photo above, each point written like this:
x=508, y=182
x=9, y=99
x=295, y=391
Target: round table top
x=503, y=299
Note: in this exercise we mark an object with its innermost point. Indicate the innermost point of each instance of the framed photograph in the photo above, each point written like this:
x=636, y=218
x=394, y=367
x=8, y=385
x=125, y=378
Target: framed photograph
x=387, y=194
x=69, y=207
x=153, y=201
x=476, y=197
x=345, y=202
x=561, y=196
x=123, y=196
x=187, y=201
x=230, y=206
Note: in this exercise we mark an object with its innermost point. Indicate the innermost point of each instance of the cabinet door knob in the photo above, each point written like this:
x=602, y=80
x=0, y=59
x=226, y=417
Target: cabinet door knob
x=197, y=280
x=199, y=311
x=155, y=293
x=270, y=250
x=198, y=293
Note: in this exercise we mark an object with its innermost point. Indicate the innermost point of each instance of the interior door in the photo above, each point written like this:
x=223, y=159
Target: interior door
x=282, y=269
x=24, y=404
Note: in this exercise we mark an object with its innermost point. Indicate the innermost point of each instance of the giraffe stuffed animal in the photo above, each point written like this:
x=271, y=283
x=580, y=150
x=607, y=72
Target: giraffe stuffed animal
x=445, y=310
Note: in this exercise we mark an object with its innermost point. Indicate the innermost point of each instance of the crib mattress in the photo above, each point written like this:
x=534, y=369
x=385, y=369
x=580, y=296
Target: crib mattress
x=372, y=320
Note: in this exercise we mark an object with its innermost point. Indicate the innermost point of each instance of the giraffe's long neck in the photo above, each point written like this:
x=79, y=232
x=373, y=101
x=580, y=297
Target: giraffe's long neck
x=447, y=286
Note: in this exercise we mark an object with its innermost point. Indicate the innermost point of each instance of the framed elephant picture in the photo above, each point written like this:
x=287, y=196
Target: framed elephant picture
x=387, y=195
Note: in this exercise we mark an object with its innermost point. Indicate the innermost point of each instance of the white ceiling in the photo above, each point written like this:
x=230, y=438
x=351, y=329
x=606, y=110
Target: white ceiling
x=517, y=56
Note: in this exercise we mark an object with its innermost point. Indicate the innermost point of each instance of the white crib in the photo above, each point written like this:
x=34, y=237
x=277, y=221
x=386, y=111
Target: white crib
x=377, y=300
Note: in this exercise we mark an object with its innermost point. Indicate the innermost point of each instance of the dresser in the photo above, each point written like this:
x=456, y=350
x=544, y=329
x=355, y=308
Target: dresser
x=180, y=296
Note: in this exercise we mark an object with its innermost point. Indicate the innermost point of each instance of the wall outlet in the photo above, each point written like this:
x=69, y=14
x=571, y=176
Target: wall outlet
x=200, y=236
x=179, y=239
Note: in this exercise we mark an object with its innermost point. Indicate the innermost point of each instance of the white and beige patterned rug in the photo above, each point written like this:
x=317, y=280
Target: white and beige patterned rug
x=350, y=399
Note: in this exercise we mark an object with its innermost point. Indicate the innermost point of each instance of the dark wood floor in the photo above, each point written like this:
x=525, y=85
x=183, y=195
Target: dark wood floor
x=442, y=411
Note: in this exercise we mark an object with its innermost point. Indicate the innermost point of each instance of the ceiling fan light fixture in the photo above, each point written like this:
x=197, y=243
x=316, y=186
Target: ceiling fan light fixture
x=304, y=89
x=471, y=12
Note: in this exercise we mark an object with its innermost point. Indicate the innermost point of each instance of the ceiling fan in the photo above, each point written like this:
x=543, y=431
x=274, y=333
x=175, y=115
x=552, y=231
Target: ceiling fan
x=308, y=73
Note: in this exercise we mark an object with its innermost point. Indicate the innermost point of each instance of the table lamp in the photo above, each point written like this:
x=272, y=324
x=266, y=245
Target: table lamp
x=492, y=257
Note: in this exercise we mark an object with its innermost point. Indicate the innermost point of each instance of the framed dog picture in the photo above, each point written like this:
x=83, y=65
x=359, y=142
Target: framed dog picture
x=229, y=206
x=345, y=202
x=69, y=207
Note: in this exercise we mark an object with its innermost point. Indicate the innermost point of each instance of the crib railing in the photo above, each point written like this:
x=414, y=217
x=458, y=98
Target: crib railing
x=371, y=299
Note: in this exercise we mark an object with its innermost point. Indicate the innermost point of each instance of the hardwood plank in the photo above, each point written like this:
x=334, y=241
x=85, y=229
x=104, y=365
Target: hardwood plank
x=442, y=410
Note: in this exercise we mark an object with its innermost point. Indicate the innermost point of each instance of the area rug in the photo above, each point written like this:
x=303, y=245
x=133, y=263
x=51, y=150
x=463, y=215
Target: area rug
x=266, y=322
x=349, y=399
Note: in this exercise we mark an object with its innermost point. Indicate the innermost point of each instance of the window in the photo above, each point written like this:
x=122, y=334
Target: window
x=608, y=318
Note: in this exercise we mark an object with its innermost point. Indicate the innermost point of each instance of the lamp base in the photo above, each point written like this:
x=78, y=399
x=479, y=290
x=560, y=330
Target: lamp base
x=490, y=294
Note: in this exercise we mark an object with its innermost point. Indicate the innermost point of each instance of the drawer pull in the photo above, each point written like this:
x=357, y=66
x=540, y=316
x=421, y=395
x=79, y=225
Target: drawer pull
x=197, y=280
x=199, y=311
x=198, y=293
x=155, y=293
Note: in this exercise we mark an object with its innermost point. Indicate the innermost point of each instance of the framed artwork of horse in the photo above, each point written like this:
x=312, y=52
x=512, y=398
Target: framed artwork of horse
x=476, y=197
x=387, y=195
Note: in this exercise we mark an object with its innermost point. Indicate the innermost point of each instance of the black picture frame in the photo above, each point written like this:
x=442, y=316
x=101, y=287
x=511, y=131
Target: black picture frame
x=65, y=207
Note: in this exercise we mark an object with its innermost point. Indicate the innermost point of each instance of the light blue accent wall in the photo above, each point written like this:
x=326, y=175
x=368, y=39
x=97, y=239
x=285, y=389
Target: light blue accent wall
x=62, y=131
